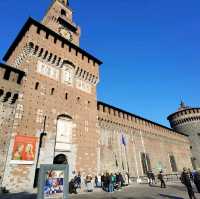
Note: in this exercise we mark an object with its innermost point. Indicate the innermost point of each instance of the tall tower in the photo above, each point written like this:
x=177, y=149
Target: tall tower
x=187, y=120
x=58, y=97
x=59, y=18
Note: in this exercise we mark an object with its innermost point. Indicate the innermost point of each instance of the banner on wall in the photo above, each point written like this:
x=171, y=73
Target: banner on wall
x=24, y=150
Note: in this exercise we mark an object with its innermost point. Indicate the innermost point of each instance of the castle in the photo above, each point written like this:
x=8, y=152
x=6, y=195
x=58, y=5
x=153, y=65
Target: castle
x=49, y=109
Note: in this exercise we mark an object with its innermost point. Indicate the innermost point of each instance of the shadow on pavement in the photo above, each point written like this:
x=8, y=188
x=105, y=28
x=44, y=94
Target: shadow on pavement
x=180, y=188
x=18, y=196
x=172, y=197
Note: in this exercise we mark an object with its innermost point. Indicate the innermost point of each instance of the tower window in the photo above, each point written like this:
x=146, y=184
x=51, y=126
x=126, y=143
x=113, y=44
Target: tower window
x=36, y=85
x=66, y=96
x=63, y=12
x=52, y=91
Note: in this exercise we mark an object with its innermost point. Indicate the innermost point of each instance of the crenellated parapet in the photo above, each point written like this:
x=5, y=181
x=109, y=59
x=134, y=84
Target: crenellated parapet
x=11, y=80
x=85, y=65
x=112, y=117
x=184, y=116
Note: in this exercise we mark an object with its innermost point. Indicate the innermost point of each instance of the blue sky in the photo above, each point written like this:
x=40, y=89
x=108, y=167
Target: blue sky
x=150, y=49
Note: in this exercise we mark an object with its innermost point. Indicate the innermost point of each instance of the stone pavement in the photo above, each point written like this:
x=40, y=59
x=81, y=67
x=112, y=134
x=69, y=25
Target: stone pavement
x=135, y=191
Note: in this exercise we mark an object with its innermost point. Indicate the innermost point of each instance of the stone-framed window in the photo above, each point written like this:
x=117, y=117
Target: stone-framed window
x=19, y=111
x=173, y=163
x=146, y=163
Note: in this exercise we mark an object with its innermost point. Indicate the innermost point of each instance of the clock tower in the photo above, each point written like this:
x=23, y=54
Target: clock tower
x=59, y=18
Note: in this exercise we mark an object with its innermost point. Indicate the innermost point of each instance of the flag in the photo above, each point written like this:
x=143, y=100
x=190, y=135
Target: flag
x=123, y=140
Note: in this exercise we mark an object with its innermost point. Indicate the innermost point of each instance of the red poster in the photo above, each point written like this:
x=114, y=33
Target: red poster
x=24, y=149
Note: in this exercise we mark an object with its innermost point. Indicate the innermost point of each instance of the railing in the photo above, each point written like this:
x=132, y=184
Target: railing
x=167, y=177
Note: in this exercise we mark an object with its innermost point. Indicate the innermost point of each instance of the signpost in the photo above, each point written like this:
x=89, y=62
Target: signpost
x=53, y=182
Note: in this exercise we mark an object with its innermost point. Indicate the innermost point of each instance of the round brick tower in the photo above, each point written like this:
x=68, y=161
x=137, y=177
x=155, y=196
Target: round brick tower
x=187, y=120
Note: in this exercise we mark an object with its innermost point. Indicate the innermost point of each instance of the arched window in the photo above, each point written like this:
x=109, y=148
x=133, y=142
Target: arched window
x=63, y=12
x=68, y=72
x=60, y=159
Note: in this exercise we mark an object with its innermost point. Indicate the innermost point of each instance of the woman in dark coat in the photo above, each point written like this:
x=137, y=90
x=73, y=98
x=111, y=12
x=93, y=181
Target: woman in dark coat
x=185, y=179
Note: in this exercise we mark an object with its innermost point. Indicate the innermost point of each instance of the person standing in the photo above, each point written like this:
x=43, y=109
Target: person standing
x=89, y=183
x=162, y=181
x=197, y=179
x=111, y=183
x=185, y=179
x=102, y=181
x=191, y=175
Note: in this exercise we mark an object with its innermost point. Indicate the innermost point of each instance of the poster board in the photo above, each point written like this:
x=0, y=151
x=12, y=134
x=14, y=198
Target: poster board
x=53, y=182
x=24, y=150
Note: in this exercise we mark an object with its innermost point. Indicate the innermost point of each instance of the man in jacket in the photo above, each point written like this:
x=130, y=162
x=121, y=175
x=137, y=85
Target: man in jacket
x=161, y=178
x=185, y=179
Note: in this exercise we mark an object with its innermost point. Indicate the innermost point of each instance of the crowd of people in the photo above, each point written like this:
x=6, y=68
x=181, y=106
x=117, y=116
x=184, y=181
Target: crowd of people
x=108, y=182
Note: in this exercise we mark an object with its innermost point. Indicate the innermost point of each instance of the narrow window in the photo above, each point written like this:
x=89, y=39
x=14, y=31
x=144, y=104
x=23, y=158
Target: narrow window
x=36, y=85
x=52, y=91
x=173, y=163
x=78, y=99
x=7, y=75
x=66, y=96
x=193, y=161
x=1, y=92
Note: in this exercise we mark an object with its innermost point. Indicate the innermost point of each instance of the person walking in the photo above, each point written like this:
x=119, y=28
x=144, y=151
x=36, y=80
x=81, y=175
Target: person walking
x=162, y=181
x=197, y=179
x=185, y=179
x=149, y=177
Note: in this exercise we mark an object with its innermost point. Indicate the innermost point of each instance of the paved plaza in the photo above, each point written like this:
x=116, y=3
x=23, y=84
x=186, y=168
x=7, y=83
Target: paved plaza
x=135, y=191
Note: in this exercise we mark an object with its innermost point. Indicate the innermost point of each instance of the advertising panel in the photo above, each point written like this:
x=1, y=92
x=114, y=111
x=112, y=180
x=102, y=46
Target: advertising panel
x=24, y=150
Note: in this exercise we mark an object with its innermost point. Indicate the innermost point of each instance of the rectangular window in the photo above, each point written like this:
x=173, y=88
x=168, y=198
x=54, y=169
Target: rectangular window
x=146, y=163
x=173, y=163
x=193, y=160
x=7, y=74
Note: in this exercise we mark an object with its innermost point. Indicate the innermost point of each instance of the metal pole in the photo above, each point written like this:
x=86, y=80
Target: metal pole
x=134, y=148
x=42, y=134
x=127, y=159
